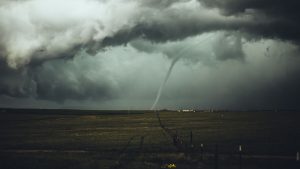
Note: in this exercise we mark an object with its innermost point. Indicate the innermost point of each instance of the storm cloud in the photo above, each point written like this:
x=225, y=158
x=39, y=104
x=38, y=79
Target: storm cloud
x=113, y=52
x=42, y=29
x=280, y=18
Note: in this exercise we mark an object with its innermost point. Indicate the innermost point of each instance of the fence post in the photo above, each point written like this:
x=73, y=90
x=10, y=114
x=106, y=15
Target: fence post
x=240, y=156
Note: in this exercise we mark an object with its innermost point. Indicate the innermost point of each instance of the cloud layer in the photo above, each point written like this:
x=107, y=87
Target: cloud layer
x=35, y=30
x=113, y=52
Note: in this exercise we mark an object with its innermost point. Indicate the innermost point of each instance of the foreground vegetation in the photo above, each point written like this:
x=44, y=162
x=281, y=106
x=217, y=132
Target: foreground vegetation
x=49, y=140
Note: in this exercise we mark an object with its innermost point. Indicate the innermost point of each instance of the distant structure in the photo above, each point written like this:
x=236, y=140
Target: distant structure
x=187, y=110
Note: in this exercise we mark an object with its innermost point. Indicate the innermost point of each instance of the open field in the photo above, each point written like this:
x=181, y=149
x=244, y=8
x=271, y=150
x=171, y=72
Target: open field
x=45, y=140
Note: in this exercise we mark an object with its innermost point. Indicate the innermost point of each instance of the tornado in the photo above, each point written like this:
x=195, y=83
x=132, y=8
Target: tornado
x=174, y=61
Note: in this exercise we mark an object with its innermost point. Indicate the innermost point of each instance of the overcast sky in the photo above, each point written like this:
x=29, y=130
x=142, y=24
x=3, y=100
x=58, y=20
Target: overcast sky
x=116, y=54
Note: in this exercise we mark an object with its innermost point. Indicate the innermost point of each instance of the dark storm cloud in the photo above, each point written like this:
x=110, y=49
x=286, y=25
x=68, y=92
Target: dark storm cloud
x=270, y=7
x=40, y=43
x=256, y=19
x=14, y=83
x=58, y=80
x=224, y=46
x=72, y=82
x=30, y=32
x=281, y=17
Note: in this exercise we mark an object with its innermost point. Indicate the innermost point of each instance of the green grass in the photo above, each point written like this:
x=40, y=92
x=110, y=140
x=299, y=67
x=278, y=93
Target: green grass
x=104, y=136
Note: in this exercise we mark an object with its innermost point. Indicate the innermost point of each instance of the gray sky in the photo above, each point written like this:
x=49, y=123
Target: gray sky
x=115, y=54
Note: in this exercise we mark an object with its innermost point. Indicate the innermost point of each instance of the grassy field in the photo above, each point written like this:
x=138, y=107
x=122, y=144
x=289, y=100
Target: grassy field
x=47, y=141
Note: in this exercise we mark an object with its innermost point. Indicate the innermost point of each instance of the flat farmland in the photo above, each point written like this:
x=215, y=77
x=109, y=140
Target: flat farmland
x=135, y=140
